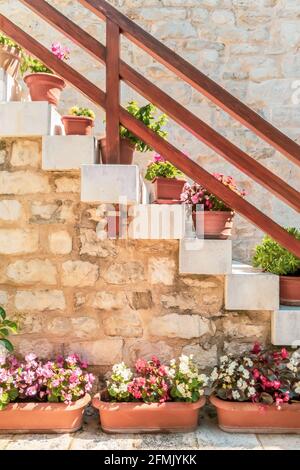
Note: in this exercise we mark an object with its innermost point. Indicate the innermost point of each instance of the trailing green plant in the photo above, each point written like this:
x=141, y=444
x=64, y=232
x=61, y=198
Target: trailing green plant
x=34, y=65
x=6, y=41
x=6, y=327
x=159, y=167
x=147, y=115
x=273, y=258
x=85, y=112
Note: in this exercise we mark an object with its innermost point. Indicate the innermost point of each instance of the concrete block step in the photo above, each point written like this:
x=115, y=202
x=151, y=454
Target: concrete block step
x=69, y=152
x=198, y=256
x=285, y=329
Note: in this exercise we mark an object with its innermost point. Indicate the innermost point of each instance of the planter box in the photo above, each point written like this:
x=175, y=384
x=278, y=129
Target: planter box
x=257, y=418
x=142, y=417
x=47, y=417
x=166, y=189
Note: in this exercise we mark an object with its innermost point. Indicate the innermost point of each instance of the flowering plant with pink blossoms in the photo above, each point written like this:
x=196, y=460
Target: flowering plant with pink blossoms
x=36, y=66
x=196, y=194
x=159, y=167
x=261, y=376
x=63, y=380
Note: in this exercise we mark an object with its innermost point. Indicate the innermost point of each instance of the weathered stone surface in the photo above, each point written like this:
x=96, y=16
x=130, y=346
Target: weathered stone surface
x=33, y=271
x=101, y=352
x=124, y=273
x=85, y=327
x=203, y=357
x=52, y=212
x=138, y=348
x=60, y=242
x=17, y=182
x=79, y=273
x=10, y=210
x=109, y=300
x=242, y=327
x=141, y=300
x=30, y=323
x=65, y=184
x=25, y=152
x=59, y=326
x=93, y=246
x=43, y=348
x=162, y=271
x=18, y=241
x=3, y=297
x=40, y=300
x=184, y=301
x=126, y=324
x=181, y=326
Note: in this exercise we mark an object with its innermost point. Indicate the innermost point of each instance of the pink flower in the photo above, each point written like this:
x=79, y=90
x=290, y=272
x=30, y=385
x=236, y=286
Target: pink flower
x=284, y=353
x=158, y=158
x=256, y=348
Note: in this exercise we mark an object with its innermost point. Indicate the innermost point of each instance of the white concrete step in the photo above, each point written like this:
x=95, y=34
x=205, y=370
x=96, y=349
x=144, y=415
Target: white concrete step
x=286, y=326
x=248, y=288
x=29, y=119
x=198, y=256
x=69, y=152
x=10, y=90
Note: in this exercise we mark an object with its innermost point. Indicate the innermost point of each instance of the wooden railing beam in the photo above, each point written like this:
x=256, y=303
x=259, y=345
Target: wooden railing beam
x=112, y=92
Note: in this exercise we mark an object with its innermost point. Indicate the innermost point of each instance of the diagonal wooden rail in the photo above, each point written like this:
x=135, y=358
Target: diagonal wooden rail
x=174, y=155
x=179, y=113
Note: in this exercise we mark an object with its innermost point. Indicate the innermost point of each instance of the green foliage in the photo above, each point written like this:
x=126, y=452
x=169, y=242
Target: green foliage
x=32, y=65
x=147, y=115
x=6, y=41
x=86, y=112
x=162, y=169
x=6, y=327
x=273, y=258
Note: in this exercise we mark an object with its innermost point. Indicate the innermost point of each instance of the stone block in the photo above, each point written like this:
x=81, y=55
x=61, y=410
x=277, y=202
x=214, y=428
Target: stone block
x=18, y=241
x=29, y=119
x=286, y=326
x=60, y=242
x=102, y=352
x=25, y=152
x=32, y=271
x=181, y=326
x=69, y=152
x=40, y=300
x=198, y=256
x=113, y=184
x=10, y=90
x=157, y=222
x=10, y=210
x=162, y=271
x=23, y=182
x=248, y=288
x=79, y=273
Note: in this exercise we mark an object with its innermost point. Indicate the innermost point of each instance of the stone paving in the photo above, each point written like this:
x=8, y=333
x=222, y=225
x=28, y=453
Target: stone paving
x=207, y=437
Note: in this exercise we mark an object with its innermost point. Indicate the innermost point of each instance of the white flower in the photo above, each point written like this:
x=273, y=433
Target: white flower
x=223, y=358
x=251, y=391
x=292, y=366
x=297, y=388
x=214, y=375
x=173, y=362
x=235, y=395
x=246, y=374
x=203, y=379
x=242, y=385
x=248, y=361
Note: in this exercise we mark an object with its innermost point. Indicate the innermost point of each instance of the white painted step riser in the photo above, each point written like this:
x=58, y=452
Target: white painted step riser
x=66, y=153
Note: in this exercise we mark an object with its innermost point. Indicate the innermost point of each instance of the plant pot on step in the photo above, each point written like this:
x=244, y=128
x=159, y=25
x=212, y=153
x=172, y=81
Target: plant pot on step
x=290, y=290
x=78, y=125
x=213, y=224
x=144, y=417
x=43, y=417
x=126, y=151
x=256, y=417
x=10, y=60
x=168, y=189
x=45, y=87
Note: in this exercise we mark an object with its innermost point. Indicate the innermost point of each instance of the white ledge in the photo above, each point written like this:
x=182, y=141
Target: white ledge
x=198, y=256
x=248, y=288
x=69, y=152
x=10, y=90
x=286, y=326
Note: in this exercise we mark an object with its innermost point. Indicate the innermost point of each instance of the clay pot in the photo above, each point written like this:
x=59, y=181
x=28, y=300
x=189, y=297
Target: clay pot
x=43, y=417
x=126, y=151
x=213, y=224
x=10, y=60
x=78, y=125
x=167, y=189
x=45, y=87
x=152, y=417
x=290, y=290
x=256, y=417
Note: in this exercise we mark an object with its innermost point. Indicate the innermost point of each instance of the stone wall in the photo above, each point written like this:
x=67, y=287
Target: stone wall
x=106, y=299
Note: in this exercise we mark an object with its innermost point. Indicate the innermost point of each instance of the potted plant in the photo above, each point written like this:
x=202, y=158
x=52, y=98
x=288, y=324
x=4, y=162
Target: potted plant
x=167, y=180
x=6, y=327
x=10, y=56
x=129, y=142
x=79, y=121
x=214, y=219
x=42, y=83
x=153, y=398
x=258, y=391
x=43, y=396
x=273, y=258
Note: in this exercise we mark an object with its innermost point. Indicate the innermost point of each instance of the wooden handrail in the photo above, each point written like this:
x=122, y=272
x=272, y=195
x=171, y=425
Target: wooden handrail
x=197, y=79
x=189, y=167
x=176, y=111
x=112, y=92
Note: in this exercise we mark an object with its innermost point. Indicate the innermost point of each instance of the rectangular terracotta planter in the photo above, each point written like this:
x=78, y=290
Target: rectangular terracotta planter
x=168, y=189
x=147, y=418
x=257, y=418
x=43, y=417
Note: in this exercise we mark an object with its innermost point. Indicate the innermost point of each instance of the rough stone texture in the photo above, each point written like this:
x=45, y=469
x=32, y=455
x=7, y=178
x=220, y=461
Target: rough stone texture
x=162, y=271
x=25, y=153
x=60, y=243
x=124, y=273
x=103, y=351
x=181, y=326
x=18, y=241
x=10, y=210
x=40, y=300
x=109, y=300
x=79, y=273
x=33, y=271
x=17, y=182
x=127, y=324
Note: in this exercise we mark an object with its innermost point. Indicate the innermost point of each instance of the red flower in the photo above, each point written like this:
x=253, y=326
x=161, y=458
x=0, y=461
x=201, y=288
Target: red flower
x=256, y=348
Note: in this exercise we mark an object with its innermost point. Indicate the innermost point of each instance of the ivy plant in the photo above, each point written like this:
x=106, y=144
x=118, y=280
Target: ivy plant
x=273, y=258
x=6, y=327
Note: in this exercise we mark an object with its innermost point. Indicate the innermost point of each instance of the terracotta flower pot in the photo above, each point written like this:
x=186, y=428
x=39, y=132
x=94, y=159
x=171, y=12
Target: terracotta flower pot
x=213, y=224
x=290, y=290
x=43, y=417
x=126, y=151
x=256, y=417
x=167, y=189
x=10, y=60
x=142, y=417
x=78, y=125
x=45, y=87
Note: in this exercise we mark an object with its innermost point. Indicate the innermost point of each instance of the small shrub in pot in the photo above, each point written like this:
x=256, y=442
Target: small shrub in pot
x=79, y=121
x=167, y=180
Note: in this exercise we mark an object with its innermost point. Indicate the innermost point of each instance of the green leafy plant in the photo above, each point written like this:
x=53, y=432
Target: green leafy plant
x=85, y=112
x=32, y=65
x=6, y=41
x=159, y=167
x=273, y=258
x=6, y=327
x=147, y=115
